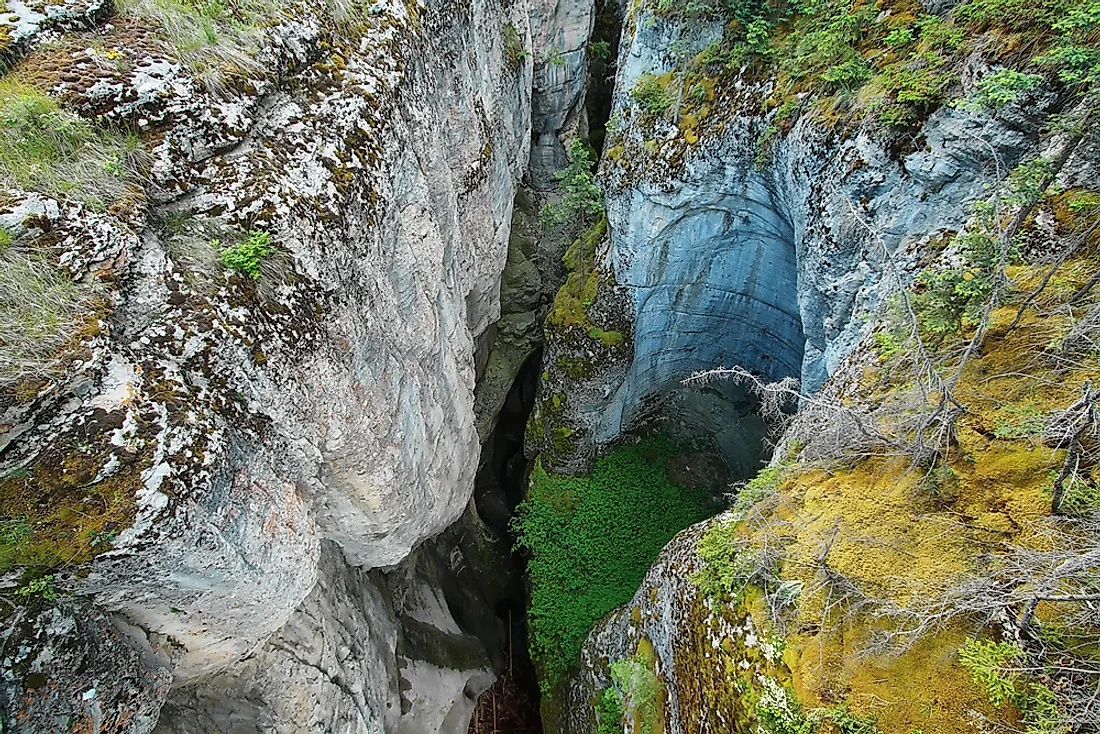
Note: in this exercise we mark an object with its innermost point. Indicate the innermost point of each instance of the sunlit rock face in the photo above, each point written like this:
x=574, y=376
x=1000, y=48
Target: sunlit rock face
x=328, y=403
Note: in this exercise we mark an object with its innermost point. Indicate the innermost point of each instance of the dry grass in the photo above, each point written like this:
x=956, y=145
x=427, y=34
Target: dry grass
x=41, y=312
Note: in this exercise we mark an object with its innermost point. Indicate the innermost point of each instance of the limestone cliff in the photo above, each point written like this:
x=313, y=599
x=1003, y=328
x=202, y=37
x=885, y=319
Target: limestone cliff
x=757, y=221
x=224, y=452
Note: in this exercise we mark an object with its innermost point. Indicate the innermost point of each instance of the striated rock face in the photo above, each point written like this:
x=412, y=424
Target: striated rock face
x=274, y=439
x=560, y=30
x=764, y=258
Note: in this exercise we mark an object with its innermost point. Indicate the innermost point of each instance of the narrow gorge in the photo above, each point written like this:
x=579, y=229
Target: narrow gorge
x=564, y=366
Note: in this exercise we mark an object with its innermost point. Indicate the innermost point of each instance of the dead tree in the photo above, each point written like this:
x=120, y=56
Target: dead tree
x=1068, y=430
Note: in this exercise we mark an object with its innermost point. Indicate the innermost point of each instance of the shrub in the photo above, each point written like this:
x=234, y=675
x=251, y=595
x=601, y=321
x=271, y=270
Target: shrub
x=948, y=300
x=990, y=665
x=609, y=712
x=246, y=257
x=899, y=38
x=1003, y=86
x=600, y=50
x=649, y=94
x=591, y=540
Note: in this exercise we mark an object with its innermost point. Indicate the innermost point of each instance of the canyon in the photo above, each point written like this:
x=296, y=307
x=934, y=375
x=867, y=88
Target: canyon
x=305, y=479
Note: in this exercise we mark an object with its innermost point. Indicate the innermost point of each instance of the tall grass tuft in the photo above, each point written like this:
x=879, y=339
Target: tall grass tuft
x=217, y=39
x=53, y=151
x=41, y=311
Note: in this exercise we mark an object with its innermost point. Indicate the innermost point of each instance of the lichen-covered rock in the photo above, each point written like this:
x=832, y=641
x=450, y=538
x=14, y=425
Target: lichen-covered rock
x=67, y=666
x=238, y=421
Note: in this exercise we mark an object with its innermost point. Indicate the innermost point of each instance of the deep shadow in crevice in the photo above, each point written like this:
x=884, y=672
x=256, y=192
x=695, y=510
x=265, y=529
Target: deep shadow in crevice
x=511, y=705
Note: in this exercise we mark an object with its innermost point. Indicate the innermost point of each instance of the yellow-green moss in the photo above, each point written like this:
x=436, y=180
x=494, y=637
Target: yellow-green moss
x=57, y=514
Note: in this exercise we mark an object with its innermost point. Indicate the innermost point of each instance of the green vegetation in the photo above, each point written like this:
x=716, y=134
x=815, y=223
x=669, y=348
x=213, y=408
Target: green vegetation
x=1002, y=87
x=609, y=712
x=42, y=586
x=728, y=566
x=600, y=50
x=246, y=257
x=649, y=94
x=514, y=50
x=582, y=198
x=997, y=667
x=887, y=60
x=591, y=541
x=1019, y=421
x=641, y=692
x=50, y=150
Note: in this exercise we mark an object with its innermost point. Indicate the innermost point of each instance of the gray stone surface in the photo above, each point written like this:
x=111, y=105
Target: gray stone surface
x=770, y=265
x=328, y=403
x=560, y=30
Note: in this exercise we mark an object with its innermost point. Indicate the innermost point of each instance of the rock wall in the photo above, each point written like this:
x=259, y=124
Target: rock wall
x=769, y=260
x=281, y=437
x=560, y=33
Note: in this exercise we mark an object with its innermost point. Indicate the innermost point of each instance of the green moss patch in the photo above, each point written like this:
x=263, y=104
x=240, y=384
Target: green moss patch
x=60, y=512
x=591, y=540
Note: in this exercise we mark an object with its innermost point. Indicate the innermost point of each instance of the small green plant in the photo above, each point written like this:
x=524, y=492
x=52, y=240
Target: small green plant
x=600, y=50
x=946, y=301
x=992, y=666
x=42, y=586
x=996, y=667
x=609, y=711
x=246, y=257
x=844, y=721
x=582, y=197
x=514, y=50
x=14, y=535
x=1002, y=87
x=728, y=566
x=555, y=56
x=649, y=94
x=104, y=538
x=5, y=239
x=1018, y=421
x=899, y=38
